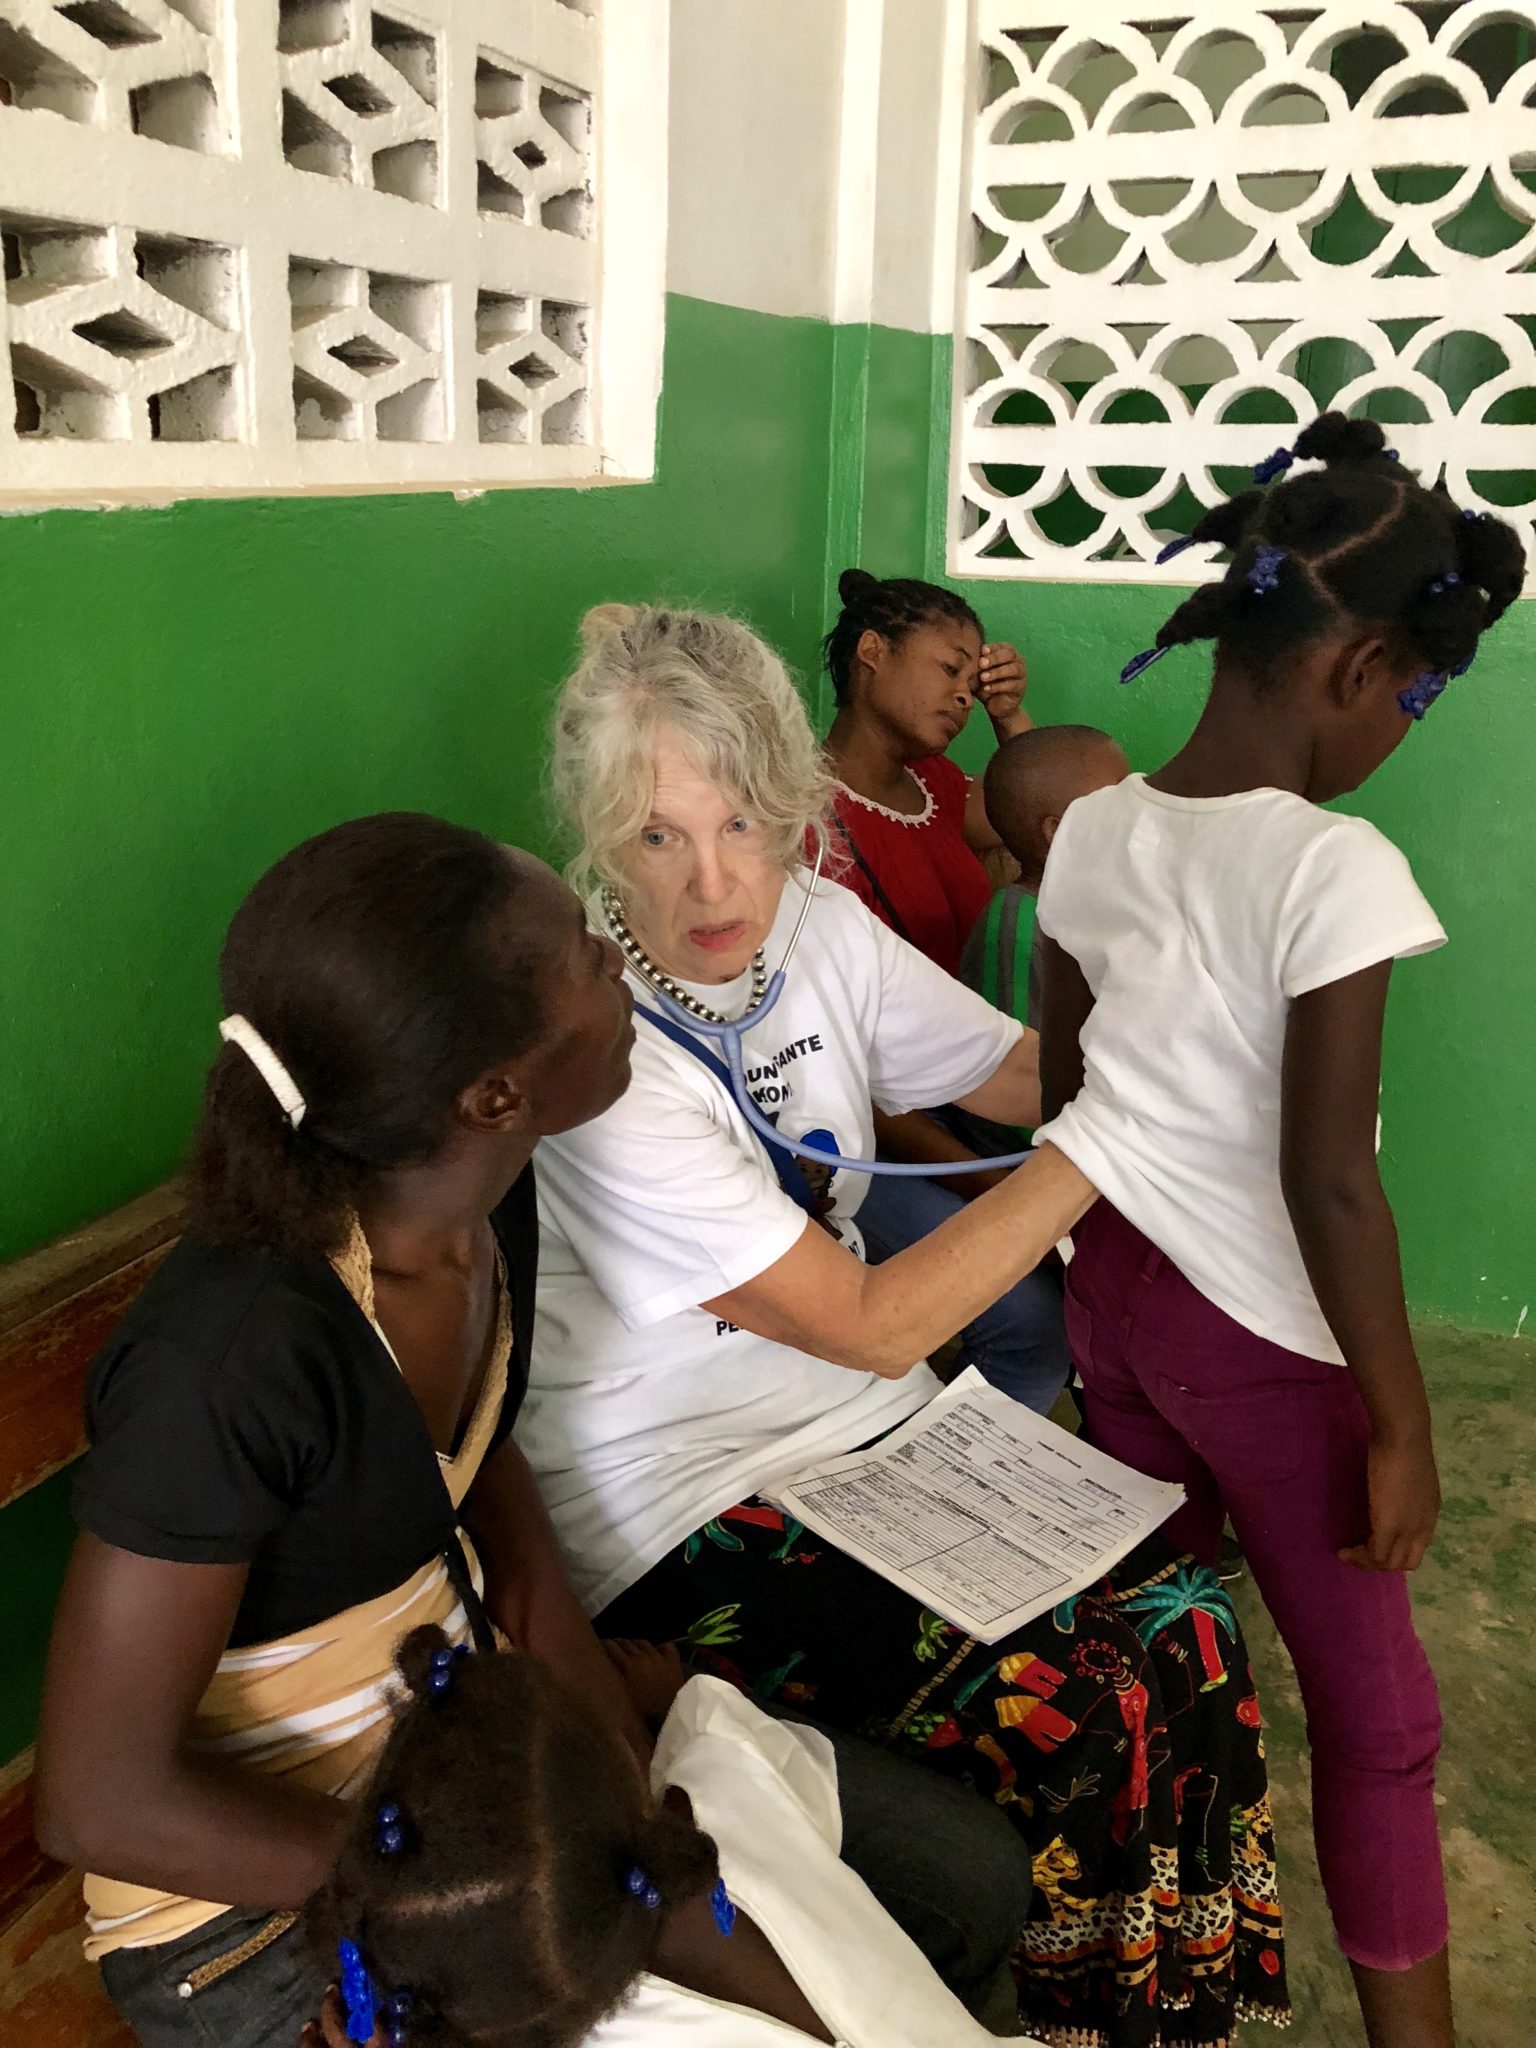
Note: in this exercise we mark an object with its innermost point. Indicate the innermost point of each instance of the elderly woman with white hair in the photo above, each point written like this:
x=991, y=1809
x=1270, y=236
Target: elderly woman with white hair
x=700, y=1338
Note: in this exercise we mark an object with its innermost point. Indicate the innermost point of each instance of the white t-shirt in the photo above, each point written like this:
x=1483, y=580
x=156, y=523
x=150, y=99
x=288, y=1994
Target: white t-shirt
x=645, y=1416
x=766, y=1791
x=1196, y=922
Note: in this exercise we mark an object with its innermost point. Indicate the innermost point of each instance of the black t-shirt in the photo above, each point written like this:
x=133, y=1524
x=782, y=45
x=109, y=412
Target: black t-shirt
x=245, y=1411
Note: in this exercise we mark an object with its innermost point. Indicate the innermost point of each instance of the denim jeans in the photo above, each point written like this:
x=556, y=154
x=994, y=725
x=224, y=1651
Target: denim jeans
x=1019, y=1344
x=192, y=1993
x=951, y=1871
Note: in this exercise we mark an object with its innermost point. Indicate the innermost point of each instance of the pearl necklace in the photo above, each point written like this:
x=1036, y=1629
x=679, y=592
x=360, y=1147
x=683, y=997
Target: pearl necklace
x=647, y=969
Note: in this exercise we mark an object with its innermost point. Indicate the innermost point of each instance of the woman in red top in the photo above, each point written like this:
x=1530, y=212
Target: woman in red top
x=908, y=661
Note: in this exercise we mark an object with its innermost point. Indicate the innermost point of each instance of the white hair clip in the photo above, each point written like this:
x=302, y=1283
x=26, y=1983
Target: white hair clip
x=240, y=1031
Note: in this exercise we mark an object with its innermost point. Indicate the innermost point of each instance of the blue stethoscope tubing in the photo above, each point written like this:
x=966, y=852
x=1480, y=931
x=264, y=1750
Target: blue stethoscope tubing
x=728, y=1035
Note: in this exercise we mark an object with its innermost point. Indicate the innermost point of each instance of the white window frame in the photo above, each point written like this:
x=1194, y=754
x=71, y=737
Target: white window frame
x=1483, y=294
x=247, y=199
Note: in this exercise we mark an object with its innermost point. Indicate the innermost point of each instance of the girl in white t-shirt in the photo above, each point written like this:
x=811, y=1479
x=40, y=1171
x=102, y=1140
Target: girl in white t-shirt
x=511, y=1880
x=1218, y=952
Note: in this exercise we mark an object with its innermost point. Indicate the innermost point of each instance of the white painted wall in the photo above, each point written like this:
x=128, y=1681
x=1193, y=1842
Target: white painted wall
x=918, y=166
x=754, y=125
x=815, y=155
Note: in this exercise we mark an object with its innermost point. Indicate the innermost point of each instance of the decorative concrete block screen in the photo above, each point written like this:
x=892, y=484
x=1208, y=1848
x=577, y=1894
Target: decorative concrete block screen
x=275, y=245
x=1191, y=228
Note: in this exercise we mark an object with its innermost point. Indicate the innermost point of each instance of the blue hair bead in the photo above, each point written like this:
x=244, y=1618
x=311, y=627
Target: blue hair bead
x=1139, y=663
x=1420, y=694
x=1470, y=512
x=639, y=1886
x=357, y=1992
x=721, y=1906
x=1462, y=666
x=1274, y=465
x=391, y=1831
x=399, y=2005
x=1171, y=548
x=1264, y=575
x=1391, y=454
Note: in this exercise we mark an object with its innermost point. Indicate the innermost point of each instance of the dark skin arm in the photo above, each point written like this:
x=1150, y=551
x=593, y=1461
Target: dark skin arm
x=528, y=1595
x=1066, y=1002
x=135, y=1643
x=1329, y=1089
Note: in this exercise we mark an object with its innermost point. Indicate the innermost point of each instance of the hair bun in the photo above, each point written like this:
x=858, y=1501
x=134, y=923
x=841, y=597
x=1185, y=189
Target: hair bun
x=678, y=1858
x=854, y=586
x=413, y=1658
x=1335, y=437
x=604, y=622
x=1231, y=522
x=1492, y=556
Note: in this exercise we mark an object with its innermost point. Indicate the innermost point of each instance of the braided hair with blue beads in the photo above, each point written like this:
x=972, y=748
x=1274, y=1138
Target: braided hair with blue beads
x=1360, y=539
x=501, y=1880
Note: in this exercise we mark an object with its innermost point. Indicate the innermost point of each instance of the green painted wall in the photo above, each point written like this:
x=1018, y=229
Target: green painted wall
x=1459, y=1095
x=185, y=694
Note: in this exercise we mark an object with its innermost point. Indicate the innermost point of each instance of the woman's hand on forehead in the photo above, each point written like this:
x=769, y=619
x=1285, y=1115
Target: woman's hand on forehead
x=1001, y=681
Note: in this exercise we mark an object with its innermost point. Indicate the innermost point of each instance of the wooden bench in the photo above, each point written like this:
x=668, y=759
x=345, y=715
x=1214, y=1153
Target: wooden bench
x=57, y=1306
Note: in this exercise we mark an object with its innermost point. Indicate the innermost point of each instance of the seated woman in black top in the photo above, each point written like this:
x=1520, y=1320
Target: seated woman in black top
x=311, y=1394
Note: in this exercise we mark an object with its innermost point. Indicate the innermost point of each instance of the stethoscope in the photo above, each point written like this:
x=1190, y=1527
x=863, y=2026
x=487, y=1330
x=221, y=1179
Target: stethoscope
x=728, y=1034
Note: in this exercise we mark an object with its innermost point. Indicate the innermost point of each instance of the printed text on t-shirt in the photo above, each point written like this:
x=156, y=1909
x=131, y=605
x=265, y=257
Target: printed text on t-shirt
x=763, y=1080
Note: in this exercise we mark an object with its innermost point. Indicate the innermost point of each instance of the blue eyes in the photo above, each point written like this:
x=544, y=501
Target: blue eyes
x=655, y=837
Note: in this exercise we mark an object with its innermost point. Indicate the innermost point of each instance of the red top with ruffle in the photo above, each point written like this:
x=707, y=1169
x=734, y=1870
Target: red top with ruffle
x=935, y=886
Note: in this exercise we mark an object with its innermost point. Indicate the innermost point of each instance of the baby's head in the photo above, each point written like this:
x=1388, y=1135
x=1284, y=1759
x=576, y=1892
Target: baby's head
x=489, y=1880
x=1034, y=776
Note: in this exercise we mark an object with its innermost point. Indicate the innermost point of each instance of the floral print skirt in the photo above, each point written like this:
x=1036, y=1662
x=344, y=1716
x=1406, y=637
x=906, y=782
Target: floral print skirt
x=1121, y=1732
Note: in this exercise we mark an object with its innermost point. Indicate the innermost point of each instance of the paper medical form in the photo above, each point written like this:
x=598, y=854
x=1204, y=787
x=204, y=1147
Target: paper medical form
x=981, y=1509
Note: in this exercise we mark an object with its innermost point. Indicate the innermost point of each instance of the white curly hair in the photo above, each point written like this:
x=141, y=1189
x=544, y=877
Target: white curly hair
x=727, y=699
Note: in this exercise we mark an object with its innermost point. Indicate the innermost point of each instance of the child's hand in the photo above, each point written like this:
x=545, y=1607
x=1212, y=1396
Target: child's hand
x=1405, y=1500
x=1001, y=682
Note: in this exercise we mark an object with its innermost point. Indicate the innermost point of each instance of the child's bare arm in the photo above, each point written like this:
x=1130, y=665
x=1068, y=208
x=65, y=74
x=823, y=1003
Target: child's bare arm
x=1330, y=1085
x=1065, y=1003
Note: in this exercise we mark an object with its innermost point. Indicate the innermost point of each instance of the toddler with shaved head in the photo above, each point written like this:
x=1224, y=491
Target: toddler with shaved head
x=1030, y=781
